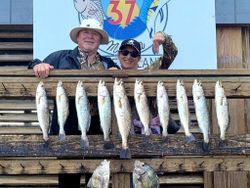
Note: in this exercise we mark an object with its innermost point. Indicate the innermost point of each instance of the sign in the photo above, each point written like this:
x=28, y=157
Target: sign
x=190, y=24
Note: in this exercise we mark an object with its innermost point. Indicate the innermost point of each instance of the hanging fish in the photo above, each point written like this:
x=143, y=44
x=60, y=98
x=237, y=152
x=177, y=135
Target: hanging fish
x=163, y=107
x=142, y=107
x=123, y=115
x=201, y=111
x=83, y=113
x=104, y=108
x=42, y=107
x=183, y=110
x=101, y=175
x=62, y=104
x=222, y=110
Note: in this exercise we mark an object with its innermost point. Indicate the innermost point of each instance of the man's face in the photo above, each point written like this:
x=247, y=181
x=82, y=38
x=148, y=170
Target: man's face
x=129, y=58
x=88, y=40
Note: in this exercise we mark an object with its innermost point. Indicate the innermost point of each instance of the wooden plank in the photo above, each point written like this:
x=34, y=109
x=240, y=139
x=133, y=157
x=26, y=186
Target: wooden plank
x=16, y=57
x=154, y=146
x=121, y=180
x=175, y=164
x=220, y=179
x=237, y=179
x=16, y=46
x=15, y=35
x=24, y=129
x=21, y=117
x=181, y=179
x=208, y=179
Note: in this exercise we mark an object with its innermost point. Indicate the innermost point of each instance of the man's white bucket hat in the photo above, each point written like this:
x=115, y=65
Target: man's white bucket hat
x=93, y=24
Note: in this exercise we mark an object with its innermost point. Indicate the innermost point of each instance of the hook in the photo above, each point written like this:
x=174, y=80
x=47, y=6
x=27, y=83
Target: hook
x=121, y=168
x=42, y=166
x=82, y=168
x=220, y=165
x=25, y=89
x=23, y=167
x=4, y=87
x=181, y=167
x=62, y=167
x=2, y=166
x=239, y=165
x=201, y=164
x=235, y=89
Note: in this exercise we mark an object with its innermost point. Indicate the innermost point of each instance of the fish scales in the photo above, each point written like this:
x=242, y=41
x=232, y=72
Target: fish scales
x=142, y=106
x=183, y=110
x=163, y=107
x=42, y=107
x=83, y=113
x=62, y=103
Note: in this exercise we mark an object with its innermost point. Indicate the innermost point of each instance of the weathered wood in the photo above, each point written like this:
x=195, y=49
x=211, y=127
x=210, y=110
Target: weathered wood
x=121, y=180
x=16, y=83
x=220, y=179
x=237, y=179
x=176, y=164
x=16, y=46
x=181, y=179
x=33, y=145
x=16, y=57
x=208, y=179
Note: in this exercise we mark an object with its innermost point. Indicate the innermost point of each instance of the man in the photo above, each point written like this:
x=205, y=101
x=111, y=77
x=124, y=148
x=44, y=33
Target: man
x=129, y=55
x=88, y=37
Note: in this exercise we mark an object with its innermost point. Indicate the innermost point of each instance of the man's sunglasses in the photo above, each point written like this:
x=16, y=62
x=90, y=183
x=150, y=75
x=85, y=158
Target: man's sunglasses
x=133, y=54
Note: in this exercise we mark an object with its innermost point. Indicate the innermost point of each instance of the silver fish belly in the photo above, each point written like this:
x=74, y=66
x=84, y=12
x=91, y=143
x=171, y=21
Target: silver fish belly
x=144, y=176
x=201, y=110
x=101, y=175
x=183, y=110
x=122, y=111
x=42, y=107
x=142, y=107
x=83, y=113
x=163, y=107
x=222, y=110
x=62, y=108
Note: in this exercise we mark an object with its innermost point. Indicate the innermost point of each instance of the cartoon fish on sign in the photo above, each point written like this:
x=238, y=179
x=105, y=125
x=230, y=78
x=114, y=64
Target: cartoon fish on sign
x=89, y=9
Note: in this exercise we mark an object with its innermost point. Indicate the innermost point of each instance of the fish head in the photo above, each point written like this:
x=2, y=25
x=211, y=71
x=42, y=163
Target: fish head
x=180, y=87
x=102, y=89
x=40, y=89
x=139, y=87
x=219, y=89
x=119, y=89
x=197, y=88
x=139, y=168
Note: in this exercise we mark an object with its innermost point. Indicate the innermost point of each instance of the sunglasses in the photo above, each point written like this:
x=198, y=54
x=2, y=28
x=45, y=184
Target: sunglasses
x=133, y=54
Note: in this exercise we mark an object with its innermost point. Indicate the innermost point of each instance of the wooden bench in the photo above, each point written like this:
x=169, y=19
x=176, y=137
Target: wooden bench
x=23, y=154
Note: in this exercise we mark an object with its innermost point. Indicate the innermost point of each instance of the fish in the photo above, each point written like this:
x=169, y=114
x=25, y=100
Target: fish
x=163, y=107
x=123, y=116
x=144, y=176
x=42, y=107
x=104, y=108
x=201, y=111
x=142, y=107
x=62, y=104
x=222, y=111
x=183, y=110
x=83, y=113
x=101, y=175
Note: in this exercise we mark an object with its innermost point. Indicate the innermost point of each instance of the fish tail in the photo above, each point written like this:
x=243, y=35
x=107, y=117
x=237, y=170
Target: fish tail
x=84, y=143
x=148, y=132
x=61, y=136
x=108, y=145
x=222, y=135
x=205, y=146
x=125, y=154
x=45, y=137
x=164, y=132
x=190, y=138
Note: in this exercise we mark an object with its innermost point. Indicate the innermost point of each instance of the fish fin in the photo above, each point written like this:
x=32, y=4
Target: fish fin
x=61, y=137
x=125, y=154
x=84, y=143
x=90, y=184
x=190, y=138
x=108, y=145
x=205, y=146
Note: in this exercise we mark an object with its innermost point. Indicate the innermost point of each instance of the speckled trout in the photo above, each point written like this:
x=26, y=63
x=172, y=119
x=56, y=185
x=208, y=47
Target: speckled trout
x=123, y=115
x=183, y=110
x=101, y=175
x=141, y=103
x=62, y=103
x=222, y=110
x=104, y=108
x=83, y=113
x=42, y=107
x=163, y=107
x=201, y=111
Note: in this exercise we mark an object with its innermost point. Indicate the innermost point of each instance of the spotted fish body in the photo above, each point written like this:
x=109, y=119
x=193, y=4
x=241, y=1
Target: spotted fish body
x=142, y=107
x=163, y=107
x=104, y=108
x=222, y=110
x=183, y=110
x=123, y=115
x=201, y=111
x=42, y=107
x=62, y=103
x=144, y=176
x=101, y=176
x=83, y=113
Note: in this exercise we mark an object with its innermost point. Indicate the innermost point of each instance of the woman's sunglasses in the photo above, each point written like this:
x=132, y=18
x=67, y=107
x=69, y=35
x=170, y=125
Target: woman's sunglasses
x=133, y=54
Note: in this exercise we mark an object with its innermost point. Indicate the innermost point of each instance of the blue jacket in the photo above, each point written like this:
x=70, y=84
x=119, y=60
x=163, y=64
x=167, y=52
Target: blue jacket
x=67, y=59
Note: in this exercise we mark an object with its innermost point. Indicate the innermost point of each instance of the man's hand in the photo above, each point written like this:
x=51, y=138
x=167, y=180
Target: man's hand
x=158, y=40
x=42, y=70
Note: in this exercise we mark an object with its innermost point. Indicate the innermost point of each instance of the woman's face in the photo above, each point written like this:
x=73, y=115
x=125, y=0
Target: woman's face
x=129, y=58
x=89, y=40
